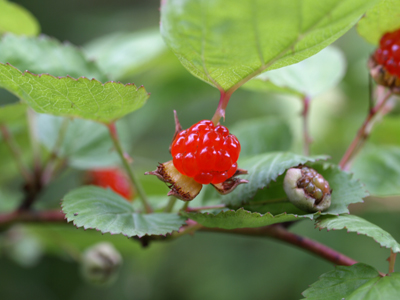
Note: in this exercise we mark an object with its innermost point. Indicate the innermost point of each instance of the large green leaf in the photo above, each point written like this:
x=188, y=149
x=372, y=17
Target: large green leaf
x=86, y=144
x=231, y=219
x=387, y=287
x=263, y=169
x=66, y=96
x=379, y=169
x=47, y=55
x=16, y=19
x=309, y=77
x=262, y=135
x=341, y=282
x=386, y=132
x=122, y=54
x=383, y=17
x=13, y=112
x=227, y=42
x=104, y=210
x=356, y=224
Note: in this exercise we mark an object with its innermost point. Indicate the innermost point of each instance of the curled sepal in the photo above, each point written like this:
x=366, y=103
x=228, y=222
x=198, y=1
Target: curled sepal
x=228, y=185
x=307, y=190
x=182, y=186
x=382, y=76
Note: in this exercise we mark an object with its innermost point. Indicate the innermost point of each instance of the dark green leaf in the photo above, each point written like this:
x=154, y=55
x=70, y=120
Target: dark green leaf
x=309, y=77
x=227, y=42
x=66, y=96
x=383, y=17
x=379, y=169
x=341, y=282
x=47, y=55
x=104, y=210
x=356, y=224
x=16, y=19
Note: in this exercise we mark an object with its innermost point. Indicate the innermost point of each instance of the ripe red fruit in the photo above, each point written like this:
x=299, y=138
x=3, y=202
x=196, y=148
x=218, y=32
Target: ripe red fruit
x=114, y=179
x=205, y=152
x=388, y=53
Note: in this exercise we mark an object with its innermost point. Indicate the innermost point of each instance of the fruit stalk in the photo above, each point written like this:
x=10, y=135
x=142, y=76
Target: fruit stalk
x=134, y=180
x=223, y=103
x=392, y=260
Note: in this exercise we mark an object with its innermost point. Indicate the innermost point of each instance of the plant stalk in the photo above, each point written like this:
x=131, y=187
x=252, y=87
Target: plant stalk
x=306, y=133
x=134, y=180
x=170, y=205
x=223, y=103
x=34, y=138
x=392, y=261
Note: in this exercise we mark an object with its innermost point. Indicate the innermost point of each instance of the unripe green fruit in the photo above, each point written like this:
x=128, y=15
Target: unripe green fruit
x=307, y=189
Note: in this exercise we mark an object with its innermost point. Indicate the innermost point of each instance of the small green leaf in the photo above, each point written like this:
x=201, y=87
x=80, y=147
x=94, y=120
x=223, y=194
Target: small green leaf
x=66, y=96
x=104, y=210
x=227, y=42
x=356, y=224
x=11, y=113
x=16, y=19
x=123, y=54
x=47, y=55
x=341, y=282
x=309, y=77
x=382, y=18
x=240, y=218
x=378, y=288
x=262, y=135
x=86, y=144
x=263, y=169
x=379, y=169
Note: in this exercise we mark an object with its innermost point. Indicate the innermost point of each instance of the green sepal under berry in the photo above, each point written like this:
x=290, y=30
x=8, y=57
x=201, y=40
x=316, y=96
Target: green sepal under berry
x=92, y=207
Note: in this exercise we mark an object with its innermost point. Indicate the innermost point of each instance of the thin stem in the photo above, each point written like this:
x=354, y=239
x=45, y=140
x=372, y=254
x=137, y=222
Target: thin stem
x=16, y=153
x=363, y=132
x=46, y=216
x=306, y=134
x=34, y=138
x=190, y=209
x=392, y=261
x=134, y=180
x=223, y=103
x=185, y=206
x=170, y=205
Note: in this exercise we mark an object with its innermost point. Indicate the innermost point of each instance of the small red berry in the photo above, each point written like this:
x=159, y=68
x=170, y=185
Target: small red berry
x=205, y=152
x=114, y=179
x=388, y=53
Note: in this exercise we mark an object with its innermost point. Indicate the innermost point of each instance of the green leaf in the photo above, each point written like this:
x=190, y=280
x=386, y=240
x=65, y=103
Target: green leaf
x=124, y=53
x=341, y=282
x=227, y=42
x=382, y=18
x=66, y=96
x=356, y=224
x=385, y=131
x=47, y=55
x=262, y=135
x=378, y=288
x=16, y=19
x=11, y=113
x=263, y=169
x=379, y=169
x=104, y=210
x=240, y=218
x=309, y=77
x=86, y=144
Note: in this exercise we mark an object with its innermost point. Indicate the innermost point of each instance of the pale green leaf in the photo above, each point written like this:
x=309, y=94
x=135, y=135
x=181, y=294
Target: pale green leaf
x=341, y=282
x=262, y=135
x=356, y=224
x=66, y=96
x=104, y=210
x=382, y=18
x=227, y=42
x=386, y=132
x=379, y=169
x=231, y=219
x=16, y=19
x=123, y=54
x=309, y=77
x=11, y=113
x=47, y=55
x=387, y=287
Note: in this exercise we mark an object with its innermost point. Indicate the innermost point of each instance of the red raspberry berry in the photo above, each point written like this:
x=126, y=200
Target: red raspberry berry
x=114, y=179
x=388, y=53
x=205, y=152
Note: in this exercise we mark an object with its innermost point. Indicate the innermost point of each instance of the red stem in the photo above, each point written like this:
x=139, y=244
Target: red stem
x=223, y=103
x=32, y=216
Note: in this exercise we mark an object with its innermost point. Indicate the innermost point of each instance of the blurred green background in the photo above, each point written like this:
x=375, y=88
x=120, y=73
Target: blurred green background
x=35, y=260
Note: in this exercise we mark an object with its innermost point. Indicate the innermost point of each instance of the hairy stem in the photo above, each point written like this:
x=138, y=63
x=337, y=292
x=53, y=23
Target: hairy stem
x=134, y=180
x=306, y=133
x=363, y=132
x=223, y=103
x=392, y=261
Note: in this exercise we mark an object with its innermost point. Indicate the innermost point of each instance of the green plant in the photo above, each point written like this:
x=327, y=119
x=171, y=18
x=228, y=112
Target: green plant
x=73, y=122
